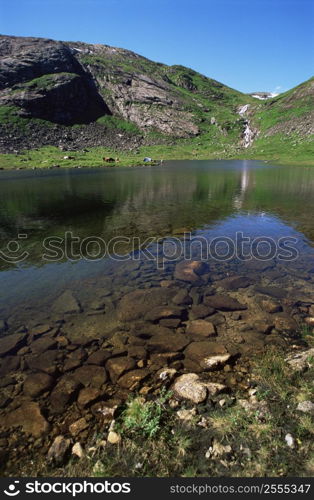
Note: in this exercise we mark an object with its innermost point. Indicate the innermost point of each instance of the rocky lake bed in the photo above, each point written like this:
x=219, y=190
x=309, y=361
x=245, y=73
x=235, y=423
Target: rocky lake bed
x=208, y=361
x=188, y=329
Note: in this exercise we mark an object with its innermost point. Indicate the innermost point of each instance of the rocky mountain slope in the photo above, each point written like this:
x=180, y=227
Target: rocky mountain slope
x=77, y=94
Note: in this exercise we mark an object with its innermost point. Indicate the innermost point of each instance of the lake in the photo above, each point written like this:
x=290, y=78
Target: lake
x=116, y=279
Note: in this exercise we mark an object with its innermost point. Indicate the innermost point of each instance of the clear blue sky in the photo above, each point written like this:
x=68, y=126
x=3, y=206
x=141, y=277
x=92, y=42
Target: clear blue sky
x=248, y=44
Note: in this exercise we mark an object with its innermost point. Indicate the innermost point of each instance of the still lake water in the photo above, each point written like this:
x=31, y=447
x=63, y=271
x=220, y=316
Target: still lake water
x=207, y=198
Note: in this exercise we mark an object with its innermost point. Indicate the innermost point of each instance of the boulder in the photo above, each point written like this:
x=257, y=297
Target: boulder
x=90, y=375
x=306, y=407
x=131, y=379
x=87, y=396
x=63, y=394
x=9, y=364
x=99, y=357
x=78, y=426
x=46, y=362
x=29, y=417
x=277, y=293
x=223, y=303
x=167, y=342
x=190, y=270
x=37, y=383
x=189, y=386
x=66, y=303
x=117, y=366
x=182, y=298
x=284, y=323
x=43, y=344
x=162, y=312
x=200, y=311
x=201, y=327
x=58, y=451
x=235, y=282
x=135, y=305
x=302, y=360
x=207, y=355
x=11, y=343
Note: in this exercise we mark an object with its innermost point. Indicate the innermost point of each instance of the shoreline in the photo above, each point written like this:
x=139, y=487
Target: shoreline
x=22, y=161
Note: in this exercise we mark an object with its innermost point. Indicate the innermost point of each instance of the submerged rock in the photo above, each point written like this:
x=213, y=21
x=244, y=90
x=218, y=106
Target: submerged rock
x=202, y=328
x=29, y=417
x=190, y=271
x=37, y=384
x=223, y=303
x=66, y=304
x=135, y=305
x=207, y=355
x=11, y=343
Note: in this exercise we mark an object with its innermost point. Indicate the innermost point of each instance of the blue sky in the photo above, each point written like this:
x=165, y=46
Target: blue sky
x=248, y=44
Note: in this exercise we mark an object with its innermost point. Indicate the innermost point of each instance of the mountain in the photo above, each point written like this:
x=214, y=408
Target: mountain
x=83, y=95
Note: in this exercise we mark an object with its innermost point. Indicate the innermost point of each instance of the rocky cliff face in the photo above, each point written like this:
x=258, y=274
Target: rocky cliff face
x=47, y=86
x=44, y=80
x=73, y=83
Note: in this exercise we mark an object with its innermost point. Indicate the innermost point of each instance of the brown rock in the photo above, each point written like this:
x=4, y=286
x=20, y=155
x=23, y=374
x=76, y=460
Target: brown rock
x=37, y=384
x=46, y=362
x=235, y=282
x=190, y=271
x=223, y=303
x=66, y=304
x=57, y=452
x=277, y=293
x=162, y=312
x=170, y=322
x=117, y=366
x=29, y=417
x=43, y=344
x=63, y=394
x=271, y=306
x=200, y=311
x=161, y=342
x=136, y=304
x=78, y=426
x=131, y=379
x=99, y=357
x=182, y=298
x=189, y=386
x=208, y=355
x=87, y=396
x=9, y=364
x=90, y=375
x=284, y=323
x=10, y=344
x=202, y=328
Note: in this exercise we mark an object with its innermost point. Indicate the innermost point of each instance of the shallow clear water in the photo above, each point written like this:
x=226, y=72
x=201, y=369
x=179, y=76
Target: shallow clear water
x=207, y=198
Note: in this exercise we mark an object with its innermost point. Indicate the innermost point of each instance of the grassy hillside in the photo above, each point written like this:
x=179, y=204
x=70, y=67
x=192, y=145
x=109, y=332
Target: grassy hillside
x=150, y=109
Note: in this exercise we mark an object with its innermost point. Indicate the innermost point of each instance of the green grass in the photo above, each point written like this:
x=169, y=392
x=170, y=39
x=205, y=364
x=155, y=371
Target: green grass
x=116, y=123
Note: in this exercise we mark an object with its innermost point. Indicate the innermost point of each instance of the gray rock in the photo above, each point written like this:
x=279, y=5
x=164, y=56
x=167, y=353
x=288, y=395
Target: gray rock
x=306, y=407
x=58, y=451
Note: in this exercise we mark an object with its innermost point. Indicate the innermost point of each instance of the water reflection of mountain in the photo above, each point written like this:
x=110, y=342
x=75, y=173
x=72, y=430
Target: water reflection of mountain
x=150, y=202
